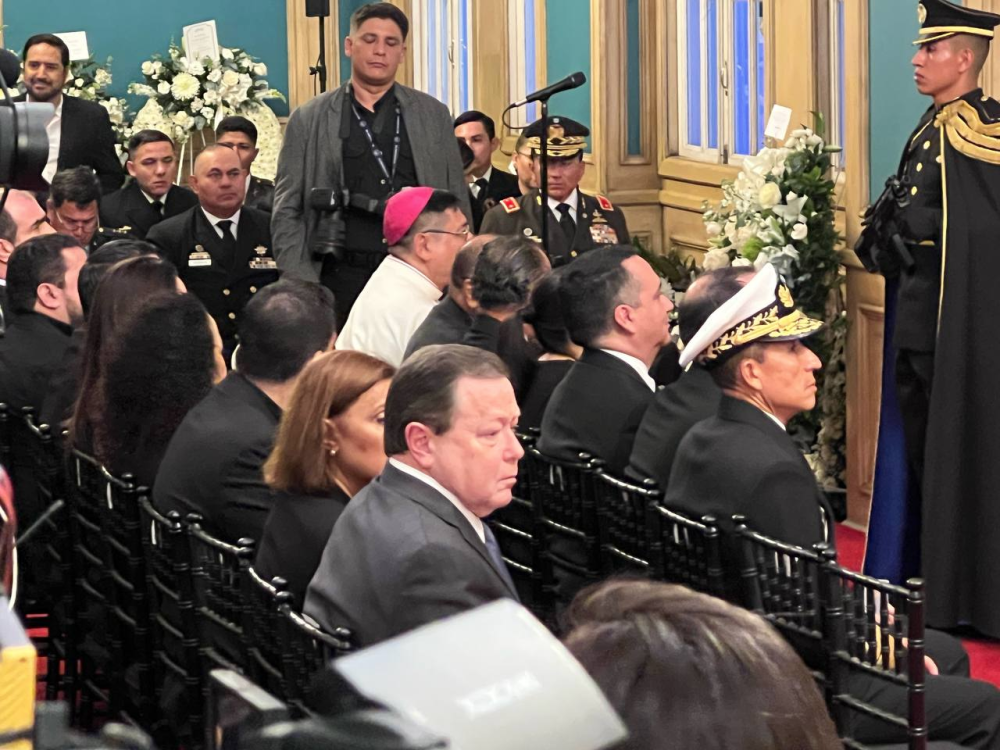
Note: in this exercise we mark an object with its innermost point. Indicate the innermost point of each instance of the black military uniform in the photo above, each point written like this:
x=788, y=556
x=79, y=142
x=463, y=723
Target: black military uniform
x=596, y=222
x=129, y=209
x=223, y=274
x=107, y=234
x=491, y=191
x=260, y=194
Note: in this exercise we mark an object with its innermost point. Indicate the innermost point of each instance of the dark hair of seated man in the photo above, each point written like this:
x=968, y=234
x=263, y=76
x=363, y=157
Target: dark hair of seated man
x=695, y=669
x=506, y=271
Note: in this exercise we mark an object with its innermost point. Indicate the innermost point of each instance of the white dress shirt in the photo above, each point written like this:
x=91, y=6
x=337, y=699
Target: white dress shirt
x=54, y=130
x=486, y=176
x=573, y=201
x=163, y=199
x=475, y=521
x=636, y=364
x=214, y=221
x=388, y=311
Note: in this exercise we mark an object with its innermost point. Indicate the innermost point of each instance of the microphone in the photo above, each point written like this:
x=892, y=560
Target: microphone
x=10, y=66
x=569, y=82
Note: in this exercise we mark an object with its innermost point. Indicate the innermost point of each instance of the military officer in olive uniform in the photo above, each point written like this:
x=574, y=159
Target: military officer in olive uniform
x=577, y=222
x=222, y=249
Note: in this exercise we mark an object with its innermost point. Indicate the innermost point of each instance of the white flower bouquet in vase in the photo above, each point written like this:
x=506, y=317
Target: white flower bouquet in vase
x=188, y=95
x=780, y=209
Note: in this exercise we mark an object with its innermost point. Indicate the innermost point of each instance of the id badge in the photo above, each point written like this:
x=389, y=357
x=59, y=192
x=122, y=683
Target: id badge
x=199, y=259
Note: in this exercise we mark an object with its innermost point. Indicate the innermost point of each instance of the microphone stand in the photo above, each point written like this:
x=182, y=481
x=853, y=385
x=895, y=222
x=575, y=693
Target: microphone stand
x=319, y=69
x=544, y=186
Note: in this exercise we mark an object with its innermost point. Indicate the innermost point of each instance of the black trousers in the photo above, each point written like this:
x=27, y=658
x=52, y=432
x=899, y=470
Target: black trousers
x=914, y=378
x=959, y=709
x=346, y=282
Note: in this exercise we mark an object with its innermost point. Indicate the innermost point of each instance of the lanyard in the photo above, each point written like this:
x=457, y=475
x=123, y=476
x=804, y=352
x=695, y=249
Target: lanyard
x=376, y=151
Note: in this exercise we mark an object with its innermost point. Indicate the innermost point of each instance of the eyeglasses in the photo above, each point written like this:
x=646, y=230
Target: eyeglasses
x=84, y=224
x=463, y=233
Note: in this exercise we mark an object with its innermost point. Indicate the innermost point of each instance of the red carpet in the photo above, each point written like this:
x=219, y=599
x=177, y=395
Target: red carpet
x=984, y=654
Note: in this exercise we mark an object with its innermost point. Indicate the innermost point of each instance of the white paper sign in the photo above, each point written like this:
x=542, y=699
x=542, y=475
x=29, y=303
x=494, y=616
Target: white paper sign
x=777, y=123
x=77, y=43
x=201, y=40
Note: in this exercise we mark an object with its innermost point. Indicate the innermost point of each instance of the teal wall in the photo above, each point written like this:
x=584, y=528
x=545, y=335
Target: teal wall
x=346, y=10
x=130, y=31
x=895, y=105
x=567, y=50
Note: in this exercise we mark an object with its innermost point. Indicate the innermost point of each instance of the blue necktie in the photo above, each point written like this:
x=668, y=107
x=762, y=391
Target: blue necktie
x=494, y=551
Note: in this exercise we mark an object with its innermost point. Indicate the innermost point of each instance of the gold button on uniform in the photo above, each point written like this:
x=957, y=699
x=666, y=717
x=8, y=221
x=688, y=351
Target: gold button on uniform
x=938, y=158
x=253, y=290
x=927, y=145
x=225, y=292
x=232, y=316
x=913, y=190
x=920, y=167
x=572, y=253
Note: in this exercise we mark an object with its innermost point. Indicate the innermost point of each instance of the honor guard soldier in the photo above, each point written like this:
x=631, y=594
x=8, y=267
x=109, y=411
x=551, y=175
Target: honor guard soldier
x=222, y=249
x=577, y=222
x=936, y=249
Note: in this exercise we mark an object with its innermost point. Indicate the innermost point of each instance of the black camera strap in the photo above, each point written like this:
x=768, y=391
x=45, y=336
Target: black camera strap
x=376, y=151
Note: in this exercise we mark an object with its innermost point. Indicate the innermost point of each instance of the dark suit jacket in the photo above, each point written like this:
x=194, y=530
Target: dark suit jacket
x=294, y=536
x=546, y=376
x=224, y=291
x=501, y=185
x=507, y=341
x=5, y=312
x=399, y=557
x=596, y=409
x=31, y=350
x=213, y=462
x=742, y=461
x=674, y=411
x=128, y=207
x=64, y=386
x=445, y=324
x=260, y=194
x=86, y=138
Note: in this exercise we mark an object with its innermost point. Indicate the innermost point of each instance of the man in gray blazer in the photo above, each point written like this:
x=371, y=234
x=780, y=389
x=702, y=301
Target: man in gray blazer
x=371, y=137
x=412, y=547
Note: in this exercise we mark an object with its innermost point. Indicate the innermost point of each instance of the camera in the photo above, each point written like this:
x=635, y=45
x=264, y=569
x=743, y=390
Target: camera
x=24, y=144
x=330, y=237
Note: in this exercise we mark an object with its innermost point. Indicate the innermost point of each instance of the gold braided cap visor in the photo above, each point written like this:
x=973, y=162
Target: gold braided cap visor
x=768, y=324
x=936, y=33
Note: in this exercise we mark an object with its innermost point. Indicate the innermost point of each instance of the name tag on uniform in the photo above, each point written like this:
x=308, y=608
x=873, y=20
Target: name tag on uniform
x=199, y=258
x=262, y=261
x=603, y=234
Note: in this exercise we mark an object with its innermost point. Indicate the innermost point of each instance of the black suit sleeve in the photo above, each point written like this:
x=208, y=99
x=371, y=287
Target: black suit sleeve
x=104, y=160
x=783, y=506
x=246, y=499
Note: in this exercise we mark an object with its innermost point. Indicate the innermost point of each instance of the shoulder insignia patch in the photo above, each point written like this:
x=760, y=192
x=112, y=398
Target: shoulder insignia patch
x=510, y=205
x=604, y=203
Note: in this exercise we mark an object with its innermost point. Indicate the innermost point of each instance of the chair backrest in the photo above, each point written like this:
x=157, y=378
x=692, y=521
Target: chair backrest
x=622, y=515
x=128, y=598
x=565, y=506
x=517, y=533
x=683, y=550
x=262, y=624
x=218, y=597
x=874, y=629
x=307, y=649
x=174, y=629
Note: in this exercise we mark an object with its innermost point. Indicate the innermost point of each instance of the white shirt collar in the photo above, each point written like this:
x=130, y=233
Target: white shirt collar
x=776, y=420
x=572, y=200
x=415, y=270
x=214, y=221
x=636, y=364
x=472, y=518
x=161, y=199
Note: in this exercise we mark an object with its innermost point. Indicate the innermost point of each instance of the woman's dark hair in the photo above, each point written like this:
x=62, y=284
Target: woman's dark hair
x=123, y=291
x=101, y=261
x=506, y=271
x=159, y=367
x=544, y=314
x=692, y=668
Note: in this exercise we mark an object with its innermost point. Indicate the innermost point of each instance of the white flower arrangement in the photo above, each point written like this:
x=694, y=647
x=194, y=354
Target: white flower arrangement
x=780, y=210
x=193, y=94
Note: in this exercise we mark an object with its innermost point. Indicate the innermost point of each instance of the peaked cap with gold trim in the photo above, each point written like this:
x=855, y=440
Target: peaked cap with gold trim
x=940, y=19
x=762, y=311
x=565, y=137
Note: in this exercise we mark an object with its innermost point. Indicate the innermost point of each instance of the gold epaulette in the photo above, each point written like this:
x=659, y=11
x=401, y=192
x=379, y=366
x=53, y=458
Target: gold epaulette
x=604, y=203
x=968, y=133
x=510, y=205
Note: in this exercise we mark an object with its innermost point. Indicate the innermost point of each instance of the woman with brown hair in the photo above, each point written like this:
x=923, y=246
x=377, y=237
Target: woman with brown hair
x=329, y=446
x=125, y=289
